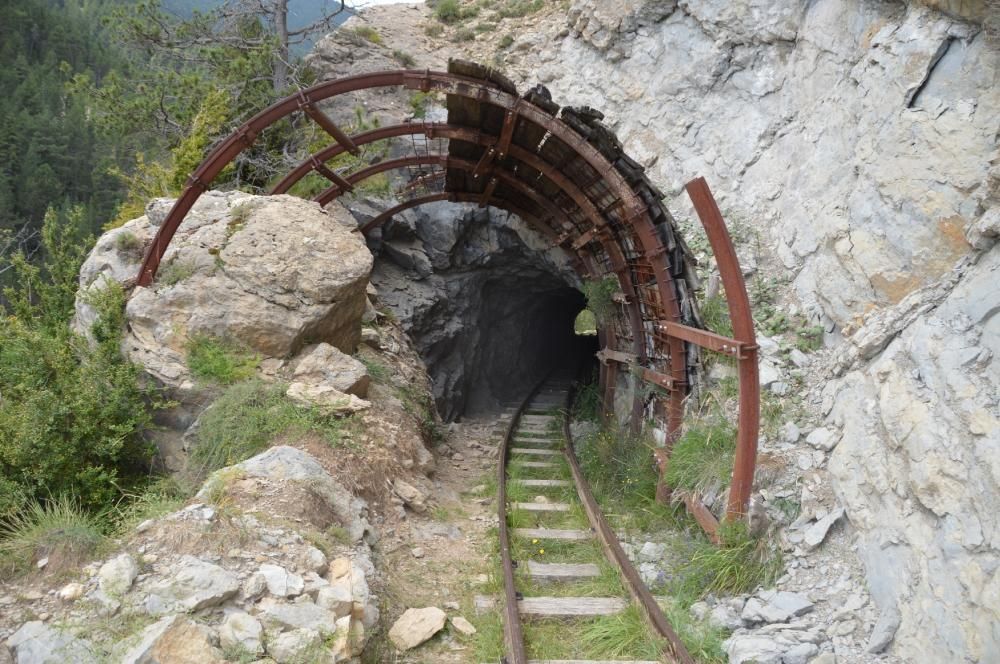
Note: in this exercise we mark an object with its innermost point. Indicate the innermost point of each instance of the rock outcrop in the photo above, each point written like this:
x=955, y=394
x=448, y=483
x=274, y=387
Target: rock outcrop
x=271, y=273
x=256, y=587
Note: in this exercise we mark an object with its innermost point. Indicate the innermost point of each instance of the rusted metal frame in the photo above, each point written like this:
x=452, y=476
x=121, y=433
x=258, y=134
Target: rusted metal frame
x=649, y=375
x=331, y=151
x=705, y=339
x=332, y=176
x=450, y=162
x=513, y=634
x=488, y=191
x=674, y=650
x=739, y=313
x=441, y=130
x=224, y=153
x=703, y=516
x=656, y=254
x=454, y=197
x=328, y=125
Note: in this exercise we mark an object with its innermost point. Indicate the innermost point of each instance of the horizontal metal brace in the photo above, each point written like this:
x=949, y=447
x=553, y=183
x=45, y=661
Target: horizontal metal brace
x=608, y=355
x=585, y=239
x=706, y=339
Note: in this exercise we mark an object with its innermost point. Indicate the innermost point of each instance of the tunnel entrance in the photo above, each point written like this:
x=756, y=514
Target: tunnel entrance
x=491, y=308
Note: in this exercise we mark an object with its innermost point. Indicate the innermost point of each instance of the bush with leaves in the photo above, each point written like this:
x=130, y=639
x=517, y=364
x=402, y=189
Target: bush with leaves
x=72, y=413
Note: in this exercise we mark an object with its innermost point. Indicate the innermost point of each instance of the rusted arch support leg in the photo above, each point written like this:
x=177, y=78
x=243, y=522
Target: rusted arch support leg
x=739, y=312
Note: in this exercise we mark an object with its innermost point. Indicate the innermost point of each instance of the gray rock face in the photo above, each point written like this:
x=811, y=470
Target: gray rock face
x=487, y=303
x=116, y=576
x=241, y=630
x=288, y=464
x=917, y=468
x=729, y=90
x=280, y=582
x=774, y=606
x=37, y=643
x=195, y=585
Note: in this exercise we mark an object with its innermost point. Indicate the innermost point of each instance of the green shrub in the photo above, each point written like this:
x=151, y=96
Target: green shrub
x=419, y=102
x=404, y=58
x=448, y=11
x=369, y=33
x=464, y=35
x=59, y=529
x=600, y=294
x=220, y=360
x=434, y=30
x=72, y=413
x=128, y=244
x=176, y=271
x=809, y=338
x=246, y=419
x=740, y=564
x=702, y=456
x=521, y=8
x=715, y=315
x=506, y=41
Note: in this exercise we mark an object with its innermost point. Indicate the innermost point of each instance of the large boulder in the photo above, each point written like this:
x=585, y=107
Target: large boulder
x=272, y=273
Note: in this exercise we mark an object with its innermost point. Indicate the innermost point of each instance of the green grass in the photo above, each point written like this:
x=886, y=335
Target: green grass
x=220, y=361
x=434, y=30
x=368, y=33
x=247, y=417
x=622, y=636
x=702, y=640
x=739, y=565
x=607, y=584
x=715, y=315
x=574, y=519
x=556, y=551
x=160, y=497
x=58, y=529
x=703, y=456
x=506, y=41
x=378, y=371
x=404, y=58
x=175, y=272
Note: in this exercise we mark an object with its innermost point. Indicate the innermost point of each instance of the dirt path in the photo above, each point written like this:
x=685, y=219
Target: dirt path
x=443, y=556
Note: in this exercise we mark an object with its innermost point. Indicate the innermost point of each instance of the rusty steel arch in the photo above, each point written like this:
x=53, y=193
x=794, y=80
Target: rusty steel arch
x=563, y=173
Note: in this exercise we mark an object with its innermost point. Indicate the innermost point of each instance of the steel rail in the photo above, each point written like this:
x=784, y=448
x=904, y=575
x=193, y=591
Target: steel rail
x=513, y=633
x=674, y=649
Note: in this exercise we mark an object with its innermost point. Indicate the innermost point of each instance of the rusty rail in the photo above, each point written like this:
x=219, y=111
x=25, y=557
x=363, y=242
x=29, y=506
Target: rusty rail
x=674, y=649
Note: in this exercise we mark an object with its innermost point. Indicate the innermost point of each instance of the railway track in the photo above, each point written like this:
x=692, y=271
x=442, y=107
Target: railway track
x=545, y=505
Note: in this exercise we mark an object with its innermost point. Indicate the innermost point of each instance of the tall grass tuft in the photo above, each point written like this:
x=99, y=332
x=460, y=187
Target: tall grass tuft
x=247, y=418
x=220, y=361
x=703, y=456
x=740, y=564
x=58, y=529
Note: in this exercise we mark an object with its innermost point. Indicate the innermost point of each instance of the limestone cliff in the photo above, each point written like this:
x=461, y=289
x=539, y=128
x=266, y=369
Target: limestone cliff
x=857, y=138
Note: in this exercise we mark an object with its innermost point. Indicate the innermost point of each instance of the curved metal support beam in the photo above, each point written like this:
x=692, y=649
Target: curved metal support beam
x=634, y=214
x=739, y=313
x=453, y=197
